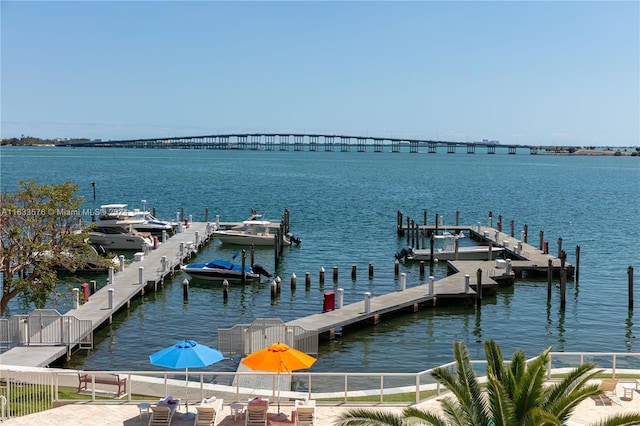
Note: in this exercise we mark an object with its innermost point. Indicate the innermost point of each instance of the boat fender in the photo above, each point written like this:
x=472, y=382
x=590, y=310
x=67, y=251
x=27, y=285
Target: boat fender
x=258, y=269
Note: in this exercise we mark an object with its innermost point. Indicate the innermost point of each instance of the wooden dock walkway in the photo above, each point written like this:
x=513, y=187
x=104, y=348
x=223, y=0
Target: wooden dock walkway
x=126, y=285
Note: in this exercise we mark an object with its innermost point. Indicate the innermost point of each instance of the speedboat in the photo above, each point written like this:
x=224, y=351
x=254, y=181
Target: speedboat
x=119, y=238
x=448, y=252
x=256, y=232
x=220, y=270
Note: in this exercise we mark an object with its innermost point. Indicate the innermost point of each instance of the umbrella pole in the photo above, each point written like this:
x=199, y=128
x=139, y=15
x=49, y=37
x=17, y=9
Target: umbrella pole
x=186, y=389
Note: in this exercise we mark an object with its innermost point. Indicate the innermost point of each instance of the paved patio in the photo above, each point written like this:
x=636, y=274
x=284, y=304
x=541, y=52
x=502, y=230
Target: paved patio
x=127, y=414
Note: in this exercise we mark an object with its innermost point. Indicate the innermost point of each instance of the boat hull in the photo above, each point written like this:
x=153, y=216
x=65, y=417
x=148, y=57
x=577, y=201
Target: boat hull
x=120, y=241
x=240, y=238
x=225, y=271
x=464, y=253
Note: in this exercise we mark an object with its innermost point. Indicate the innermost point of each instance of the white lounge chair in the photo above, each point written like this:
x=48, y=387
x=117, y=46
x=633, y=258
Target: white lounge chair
x=256, y=413
x=305, y=413
x=160, y=416
x=207, y=413
x=608, y=388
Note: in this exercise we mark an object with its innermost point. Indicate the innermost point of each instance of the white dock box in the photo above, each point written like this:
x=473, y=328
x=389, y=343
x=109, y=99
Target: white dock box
x=138, y=257
x=501, y=264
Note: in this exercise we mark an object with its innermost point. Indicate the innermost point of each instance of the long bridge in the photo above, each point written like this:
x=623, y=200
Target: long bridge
x=305, y=142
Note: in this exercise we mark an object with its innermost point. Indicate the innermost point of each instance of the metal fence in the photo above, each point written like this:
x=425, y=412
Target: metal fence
x=46, y=327
x=243, y=339
x=23, y=393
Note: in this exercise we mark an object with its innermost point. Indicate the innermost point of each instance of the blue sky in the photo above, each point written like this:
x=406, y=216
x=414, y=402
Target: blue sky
x=551, y=73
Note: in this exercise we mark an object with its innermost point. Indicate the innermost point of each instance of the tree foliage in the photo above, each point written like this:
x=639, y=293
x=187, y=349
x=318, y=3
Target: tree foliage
x=515, y=395
x=39, y=229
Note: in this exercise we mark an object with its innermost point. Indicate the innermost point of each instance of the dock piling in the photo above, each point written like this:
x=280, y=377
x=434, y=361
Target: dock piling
x=185, y=291
x=340, y=297
x=403, y=281
x=577, y=269
x=630, y=278
x=431, y=284
x=110, y=298
x=563, y=289
x=307, y=281
x=225, y=290
x=353, y=272
x=321, y=277
x=370, y=270
x=549, y=277
x=140, y=275
x=479, y=289
x=76, y=297
x=111, y=279
x=293, y=281
x=367, y=302
x=467, y=286
x=92, y=287
x=396, y=268
x=121, y=259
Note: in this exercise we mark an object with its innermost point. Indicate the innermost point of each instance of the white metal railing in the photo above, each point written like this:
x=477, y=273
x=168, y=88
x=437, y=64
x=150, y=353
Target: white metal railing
x=326, y=388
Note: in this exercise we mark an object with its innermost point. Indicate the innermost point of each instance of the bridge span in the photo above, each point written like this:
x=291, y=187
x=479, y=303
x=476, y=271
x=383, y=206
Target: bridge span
x=307, y=142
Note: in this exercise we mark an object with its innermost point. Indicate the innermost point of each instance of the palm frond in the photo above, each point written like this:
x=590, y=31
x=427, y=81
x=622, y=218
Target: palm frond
x=415, y=416
x=366, y=417
x=626, y=419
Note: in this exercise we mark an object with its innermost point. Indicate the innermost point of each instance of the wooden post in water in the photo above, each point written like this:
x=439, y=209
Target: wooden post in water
x=549, y=277
x=321, y=277
x=490, y=219
x=431, y=247
x=293, y=282
x=396, y=268
x=353, y=272
x=252, y=250
x=457, y=217
x=185, y=291
x=499, y=223
x=370, y=270
x=559, y=246
x=563, y=289
x=422, y=268
x=437, y=220
x=512, y=228
x=630, y=277
x=413, y=234
x=541, y=240
x=526, y=233
x=182, y=215
x=243, y=279
x=206, y=214
x=479, y=289
x=408, y=227
x=577, y=271
x=424, y=217
x=307, y=281
x=399, y=223
x=335, y=274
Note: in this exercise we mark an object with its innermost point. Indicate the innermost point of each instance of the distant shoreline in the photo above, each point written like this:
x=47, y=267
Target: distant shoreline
x=597, y=152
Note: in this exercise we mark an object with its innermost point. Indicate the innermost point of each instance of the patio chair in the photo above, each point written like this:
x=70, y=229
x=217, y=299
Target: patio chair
x=207, y=413
x=305, y=413
x=608, y=388
x=256, y=415
x=160, y=416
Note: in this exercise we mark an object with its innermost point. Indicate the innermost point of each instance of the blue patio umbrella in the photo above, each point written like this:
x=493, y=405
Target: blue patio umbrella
x=186, y=354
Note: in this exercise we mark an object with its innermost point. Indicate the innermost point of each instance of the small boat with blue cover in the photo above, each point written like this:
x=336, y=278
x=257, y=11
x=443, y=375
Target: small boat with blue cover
x=220, y=270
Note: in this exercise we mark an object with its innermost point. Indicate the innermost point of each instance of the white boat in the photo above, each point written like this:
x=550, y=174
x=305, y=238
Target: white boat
x=119, y=238
x=141, y=220
x=448, y=252
x=256, y=232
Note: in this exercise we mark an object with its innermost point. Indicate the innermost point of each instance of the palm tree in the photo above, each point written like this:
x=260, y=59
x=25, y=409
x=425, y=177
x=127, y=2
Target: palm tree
x=515, y=394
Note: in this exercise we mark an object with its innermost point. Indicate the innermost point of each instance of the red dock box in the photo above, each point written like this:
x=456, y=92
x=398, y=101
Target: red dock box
x=329, y=301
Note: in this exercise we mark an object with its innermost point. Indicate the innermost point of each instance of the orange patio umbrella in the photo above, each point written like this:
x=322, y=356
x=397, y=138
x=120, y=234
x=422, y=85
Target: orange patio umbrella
x=279, y=358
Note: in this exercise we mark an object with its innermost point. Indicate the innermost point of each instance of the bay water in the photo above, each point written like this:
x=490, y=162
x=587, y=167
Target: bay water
x=343, y=205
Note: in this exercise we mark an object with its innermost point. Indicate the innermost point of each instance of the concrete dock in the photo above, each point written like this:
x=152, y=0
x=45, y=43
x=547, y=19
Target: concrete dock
x=146, y=274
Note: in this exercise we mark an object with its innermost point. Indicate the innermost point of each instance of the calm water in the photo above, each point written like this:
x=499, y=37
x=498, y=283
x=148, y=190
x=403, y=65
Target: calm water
x=343, y=206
